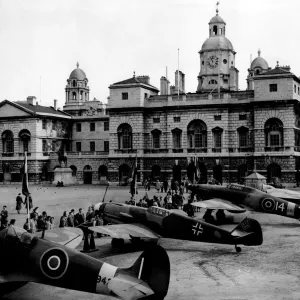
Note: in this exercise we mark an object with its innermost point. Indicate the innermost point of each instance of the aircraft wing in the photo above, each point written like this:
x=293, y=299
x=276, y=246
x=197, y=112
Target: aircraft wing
x=126, y=231
x=219, y=204
x=68, y=236
x=285, y=194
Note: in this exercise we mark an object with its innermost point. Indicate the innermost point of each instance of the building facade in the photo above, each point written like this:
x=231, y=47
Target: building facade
x=216, y=132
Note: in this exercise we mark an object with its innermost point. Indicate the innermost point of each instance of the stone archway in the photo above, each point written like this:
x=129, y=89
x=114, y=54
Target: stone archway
x=102, y=172
x=124, y=172
x=177, y=173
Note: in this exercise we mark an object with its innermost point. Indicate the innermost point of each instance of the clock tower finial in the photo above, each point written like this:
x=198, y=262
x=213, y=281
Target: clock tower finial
x=217, y=7
x=77, y=65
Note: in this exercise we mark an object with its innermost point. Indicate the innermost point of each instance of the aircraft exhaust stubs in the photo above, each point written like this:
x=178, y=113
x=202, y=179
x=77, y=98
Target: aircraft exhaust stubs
x=54, y=263
x=268, y=204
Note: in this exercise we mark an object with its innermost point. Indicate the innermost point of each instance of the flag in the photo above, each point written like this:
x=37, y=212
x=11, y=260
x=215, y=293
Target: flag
x=25, y=190
x=133, y=175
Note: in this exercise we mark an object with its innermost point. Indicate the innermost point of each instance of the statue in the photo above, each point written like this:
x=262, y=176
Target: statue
x=62, y=158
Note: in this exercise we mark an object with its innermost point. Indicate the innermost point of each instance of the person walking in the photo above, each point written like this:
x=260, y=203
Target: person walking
x=19, y=202
x=157, y=185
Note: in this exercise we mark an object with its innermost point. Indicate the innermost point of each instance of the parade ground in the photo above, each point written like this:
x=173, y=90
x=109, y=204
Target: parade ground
x=198, y=270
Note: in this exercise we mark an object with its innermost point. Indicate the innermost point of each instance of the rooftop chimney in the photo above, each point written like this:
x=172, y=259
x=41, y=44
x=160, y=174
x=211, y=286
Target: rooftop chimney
x=164, y=86
x=31, y=100
x=55, y=104
x=144, y=79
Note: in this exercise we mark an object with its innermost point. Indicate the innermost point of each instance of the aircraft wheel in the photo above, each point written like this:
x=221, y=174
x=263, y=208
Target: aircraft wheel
x=117, y=243
x=238, y=249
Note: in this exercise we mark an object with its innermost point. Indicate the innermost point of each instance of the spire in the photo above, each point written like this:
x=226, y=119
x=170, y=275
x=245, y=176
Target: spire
x=258, y=52
x=133, y=74
x=77, y=64
x=217, y=7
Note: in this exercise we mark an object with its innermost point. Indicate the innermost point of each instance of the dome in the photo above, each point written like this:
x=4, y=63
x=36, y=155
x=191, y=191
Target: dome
x=77, y=74
x=259, y=62
x=214, y=42
x=216, y=19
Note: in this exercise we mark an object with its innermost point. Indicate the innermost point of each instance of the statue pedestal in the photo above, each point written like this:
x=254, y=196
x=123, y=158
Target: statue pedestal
x=64, y=174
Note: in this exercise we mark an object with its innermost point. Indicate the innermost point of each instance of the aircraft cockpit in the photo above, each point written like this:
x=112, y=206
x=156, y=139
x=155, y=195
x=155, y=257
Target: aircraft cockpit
x=16, y=233
x=155, y=210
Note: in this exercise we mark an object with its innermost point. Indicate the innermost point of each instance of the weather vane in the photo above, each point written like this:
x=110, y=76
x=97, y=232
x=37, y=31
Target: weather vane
x=217, y=7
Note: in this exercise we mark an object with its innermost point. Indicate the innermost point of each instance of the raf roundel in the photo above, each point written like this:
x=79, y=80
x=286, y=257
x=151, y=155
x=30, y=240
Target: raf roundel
x=268, y=204
x=54, y=263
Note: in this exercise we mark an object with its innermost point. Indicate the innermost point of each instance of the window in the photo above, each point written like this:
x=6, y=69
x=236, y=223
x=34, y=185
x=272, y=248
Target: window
x=215, y=30
x=225, y=61
x=92, y=146
x=92, y=126
x=8, y=141
x=273, y=87
x=274, y=133
x=145, y=95
x=197, y=134
x=25, y=145
x=106, y=126
x=213, y=81
x=217, y=117
x=243, y=137
x=298, y=90
x=176, y=119
x=176, y=138
x=218, y=139
x=295, y=88
x=44, y=146
x=74, y=95
x=225, y=81
x=78, y=146
x=74, y=83
x=78, y=127
x=242, y=117
x=81, y=93
x=156, y=139
x=106, y=146
x=274, y=139
x=54, y=124
x=44, y=124
x=125, y=136
x=156, y=120
x=124, y=96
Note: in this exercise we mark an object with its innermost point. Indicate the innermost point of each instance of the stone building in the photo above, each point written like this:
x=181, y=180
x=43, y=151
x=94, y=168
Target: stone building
x=216, y=132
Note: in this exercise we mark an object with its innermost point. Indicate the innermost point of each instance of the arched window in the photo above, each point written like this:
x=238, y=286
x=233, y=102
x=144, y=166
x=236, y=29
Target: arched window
x=74, y=95
x=81, y=93
x=215, y=29
x=274, y=133
x=257, y=72
x=176, y=134
x=8, y=141
x=24, y=136
x=156, y=138
x=213, y=81
x=156, y=172
x=125, y=136
x=74, y=83
x=197, y=134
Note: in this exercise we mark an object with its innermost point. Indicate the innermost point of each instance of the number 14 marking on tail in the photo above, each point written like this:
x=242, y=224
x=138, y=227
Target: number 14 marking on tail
x=197, y=228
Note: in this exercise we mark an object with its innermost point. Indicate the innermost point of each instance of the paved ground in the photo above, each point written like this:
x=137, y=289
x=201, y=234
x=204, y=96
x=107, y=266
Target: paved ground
x=198, y=270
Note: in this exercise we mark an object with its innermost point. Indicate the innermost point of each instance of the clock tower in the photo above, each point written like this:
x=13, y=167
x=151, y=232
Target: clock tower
x=217, y=60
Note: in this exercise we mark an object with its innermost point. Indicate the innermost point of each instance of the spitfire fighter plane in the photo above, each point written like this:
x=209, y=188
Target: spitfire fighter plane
x=136, y=223
x=234, y=197
x=52, y=260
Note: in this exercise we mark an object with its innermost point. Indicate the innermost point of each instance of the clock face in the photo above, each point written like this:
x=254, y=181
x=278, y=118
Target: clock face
x=212, y=61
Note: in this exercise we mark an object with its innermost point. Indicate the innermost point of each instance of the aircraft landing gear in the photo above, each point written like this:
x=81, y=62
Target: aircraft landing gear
x=238, y=249
x=117, y=243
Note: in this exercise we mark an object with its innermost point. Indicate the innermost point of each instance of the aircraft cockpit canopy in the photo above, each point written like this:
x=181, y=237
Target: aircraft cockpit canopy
x=155, y=210
x=15, y=232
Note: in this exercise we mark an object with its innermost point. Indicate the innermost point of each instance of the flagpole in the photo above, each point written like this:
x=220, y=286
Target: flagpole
x=178, y=77
x=26, y=184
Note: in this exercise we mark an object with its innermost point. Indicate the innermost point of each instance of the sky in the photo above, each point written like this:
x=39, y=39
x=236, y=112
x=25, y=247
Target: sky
x=42, y=40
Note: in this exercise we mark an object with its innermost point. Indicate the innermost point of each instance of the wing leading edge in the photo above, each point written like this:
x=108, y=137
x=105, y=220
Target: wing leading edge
x=219, y=204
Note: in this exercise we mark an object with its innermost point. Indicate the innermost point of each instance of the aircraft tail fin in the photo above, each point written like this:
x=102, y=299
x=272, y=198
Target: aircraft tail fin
x=248, y=232
x=147, y=278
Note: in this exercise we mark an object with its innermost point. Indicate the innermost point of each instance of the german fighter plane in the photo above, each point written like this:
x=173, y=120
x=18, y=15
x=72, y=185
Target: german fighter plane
x=136, y=223
x=52, y=260
x=235, y=196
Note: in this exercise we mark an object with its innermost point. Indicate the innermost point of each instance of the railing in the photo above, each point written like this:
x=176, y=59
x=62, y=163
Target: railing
x=156, y=151
x=126, y=151
x=197, y=150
